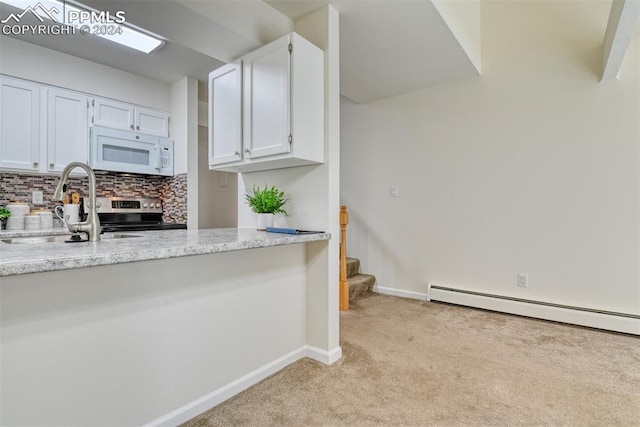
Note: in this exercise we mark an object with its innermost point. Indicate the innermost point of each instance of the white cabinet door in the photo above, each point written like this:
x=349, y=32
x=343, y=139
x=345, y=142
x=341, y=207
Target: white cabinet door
x=19, y=124
x=281, y=93
x=113, y=114
x=67, y=129
x=225, y=114
x=151, y=122
x=119, y=115
x=267, y=100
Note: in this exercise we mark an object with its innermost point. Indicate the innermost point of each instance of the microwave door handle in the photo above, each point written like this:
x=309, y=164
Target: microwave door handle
x=158, y=159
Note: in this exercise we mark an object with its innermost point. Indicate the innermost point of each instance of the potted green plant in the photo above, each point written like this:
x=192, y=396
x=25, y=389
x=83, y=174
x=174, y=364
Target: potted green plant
x=4, y=215
x=267, y=203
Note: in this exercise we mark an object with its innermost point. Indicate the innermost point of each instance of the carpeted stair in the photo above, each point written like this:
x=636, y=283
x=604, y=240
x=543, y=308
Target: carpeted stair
x=359, y=284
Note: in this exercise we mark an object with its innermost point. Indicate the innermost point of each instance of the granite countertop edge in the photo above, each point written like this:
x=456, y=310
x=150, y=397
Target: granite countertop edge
x=160, y=245
x=10, y=234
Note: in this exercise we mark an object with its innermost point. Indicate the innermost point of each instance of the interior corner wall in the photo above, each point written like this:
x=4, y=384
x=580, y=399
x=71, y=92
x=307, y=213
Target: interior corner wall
x=32, y=62
x=313, y=191
x=322, y=27
x=184, y=132
x=217, y=191
x=463, y=19
x=532, y=168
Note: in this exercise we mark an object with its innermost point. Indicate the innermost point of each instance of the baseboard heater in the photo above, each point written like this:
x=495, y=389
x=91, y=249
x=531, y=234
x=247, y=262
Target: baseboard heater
x=613, y=321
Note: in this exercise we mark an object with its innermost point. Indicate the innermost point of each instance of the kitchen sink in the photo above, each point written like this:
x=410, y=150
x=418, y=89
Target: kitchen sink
x=38, y=240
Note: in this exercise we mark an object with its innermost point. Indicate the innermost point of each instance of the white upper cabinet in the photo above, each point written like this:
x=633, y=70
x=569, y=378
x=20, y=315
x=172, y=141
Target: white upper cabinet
x=67, y=129
x=119, y=115
x=19, y=124
x=282, y=104
x=112, y=114
x=151, y=122
x=44, y=128
x=266, y=100
x=225, y=111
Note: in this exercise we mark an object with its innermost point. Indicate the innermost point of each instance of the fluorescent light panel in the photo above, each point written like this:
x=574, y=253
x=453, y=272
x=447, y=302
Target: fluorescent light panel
x=130, y=37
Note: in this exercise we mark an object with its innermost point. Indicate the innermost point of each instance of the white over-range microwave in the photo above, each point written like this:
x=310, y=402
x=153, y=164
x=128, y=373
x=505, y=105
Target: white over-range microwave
x=126, y=151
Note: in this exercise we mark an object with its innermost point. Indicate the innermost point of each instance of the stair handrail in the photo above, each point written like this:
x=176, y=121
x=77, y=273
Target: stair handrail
x=344, y=284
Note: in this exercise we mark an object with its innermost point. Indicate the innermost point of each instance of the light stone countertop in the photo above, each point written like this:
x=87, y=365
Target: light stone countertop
x=52, y=256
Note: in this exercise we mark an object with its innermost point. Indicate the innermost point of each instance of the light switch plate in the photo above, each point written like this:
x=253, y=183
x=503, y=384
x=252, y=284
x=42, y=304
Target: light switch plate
x=36, y=197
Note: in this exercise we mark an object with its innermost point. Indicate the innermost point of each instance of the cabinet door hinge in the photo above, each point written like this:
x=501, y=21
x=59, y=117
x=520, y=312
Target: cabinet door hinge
x=92, y=120
x=290, y=139
x=290, y=47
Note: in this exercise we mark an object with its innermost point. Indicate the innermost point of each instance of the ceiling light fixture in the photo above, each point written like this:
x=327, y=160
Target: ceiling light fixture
x=126, y=34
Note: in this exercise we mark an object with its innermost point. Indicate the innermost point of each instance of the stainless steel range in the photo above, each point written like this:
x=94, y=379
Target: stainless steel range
x=125, y=214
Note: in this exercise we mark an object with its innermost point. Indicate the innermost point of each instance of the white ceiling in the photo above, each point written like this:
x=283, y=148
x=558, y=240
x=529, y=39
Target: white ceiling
x=387, y=47
x=169, y=64
x=390, y=47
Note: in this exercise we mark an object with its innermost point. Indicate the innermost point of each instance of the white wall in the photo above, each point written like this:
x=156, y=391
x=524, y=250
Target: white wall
x=184, y=126
x=32, y=62
x=126, y=344
x=532, y=168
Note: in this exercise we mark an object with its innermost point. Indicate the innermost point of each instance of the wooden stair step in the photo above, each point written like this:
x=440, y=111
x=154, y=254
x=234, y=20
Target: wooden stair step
x=353, y=266
x=360, y=284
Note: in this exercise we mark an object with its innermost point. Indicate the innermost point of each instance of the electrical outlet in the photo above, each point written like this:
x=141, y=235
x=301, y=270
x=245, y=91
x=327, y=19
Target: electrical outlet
x=394, y=191
x=36, y=197
x=523, y=280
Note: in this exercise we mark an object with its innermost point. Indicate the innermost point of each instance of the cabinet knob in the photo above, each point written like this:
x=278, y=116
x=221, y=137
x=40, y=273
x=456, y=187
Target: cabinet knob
x=52, y=165
x=137, y=127
x=237, y=154
x=35, y=164
x=246, y=150
x=131, y=127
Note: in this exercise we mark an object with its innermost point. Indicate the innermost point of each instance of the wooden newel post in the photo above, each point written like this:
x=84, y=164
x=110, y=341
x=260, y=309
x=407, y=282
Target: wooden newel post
x=344, y=284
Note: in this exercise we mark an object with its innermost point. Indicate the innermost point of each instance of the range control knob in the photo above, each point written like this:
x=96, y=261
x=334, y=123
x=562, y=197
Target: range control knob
x=146, y=205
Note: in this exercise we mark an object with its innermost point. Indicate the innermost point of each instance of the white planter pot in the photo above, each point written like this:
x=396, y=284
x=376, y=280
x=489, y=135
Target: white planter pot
x=265, y=220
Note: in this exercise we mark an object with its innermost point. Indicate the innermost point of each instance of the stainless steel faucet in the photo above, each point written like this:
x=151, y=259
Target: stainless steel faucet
x=92, y=225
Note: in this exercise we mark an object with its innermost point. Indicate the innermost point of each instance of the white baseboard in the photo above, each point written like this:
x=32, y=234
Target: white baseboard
x=400, y=293
x=573, y=315
x=323, y=356
x=208, y=401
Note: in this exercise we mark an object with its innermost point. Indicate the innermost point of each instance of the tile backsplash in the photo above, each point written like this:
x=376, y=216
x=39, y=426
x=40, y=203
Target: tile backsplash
x=174, y=199
x=172, y=191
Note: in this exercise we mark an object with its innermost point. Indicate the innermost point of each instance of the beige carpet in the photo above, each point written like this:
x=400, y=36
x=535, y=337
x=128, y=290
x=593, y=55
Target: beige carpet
x=411, y=363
